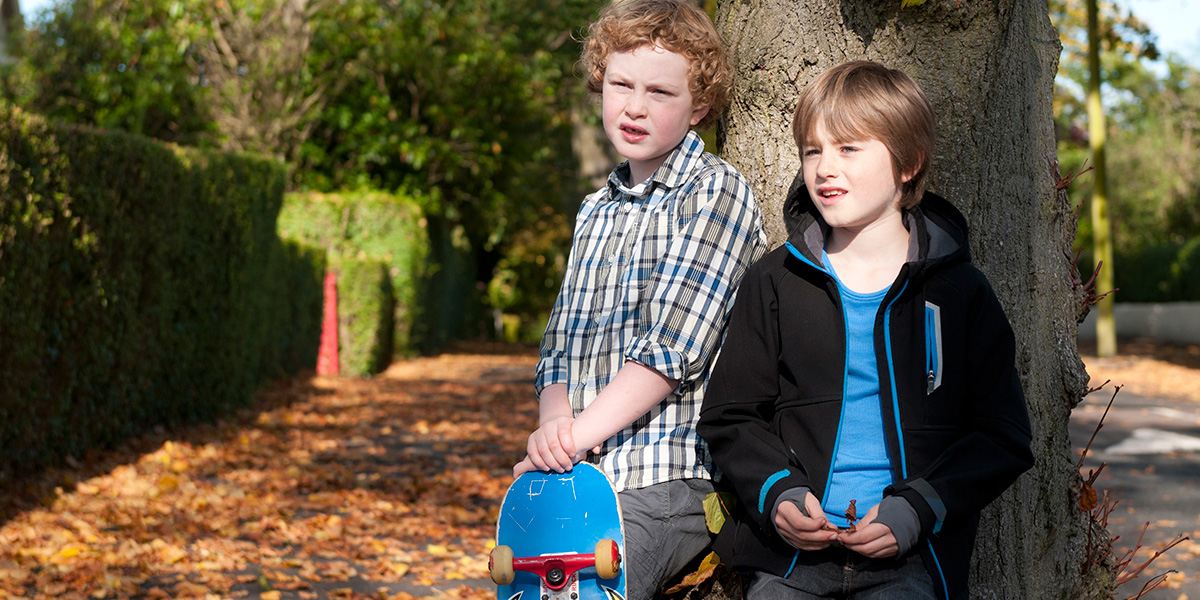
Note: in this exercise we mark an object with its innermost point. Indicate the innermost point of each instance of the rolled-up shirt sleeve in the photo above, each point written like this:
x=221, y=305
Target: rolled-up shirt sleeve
x=690, y=293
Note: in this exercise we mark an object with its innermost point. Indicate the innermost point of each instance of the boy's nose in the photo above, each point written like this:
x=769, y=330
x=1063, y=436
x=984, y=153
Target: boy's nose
x=826, y=166
x=636, y=105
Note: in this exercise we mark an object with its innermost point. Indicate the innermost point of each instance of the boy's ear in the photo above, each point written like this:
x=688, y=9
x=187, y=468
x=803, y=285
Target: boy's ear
x=698, y=113
x=906, y=177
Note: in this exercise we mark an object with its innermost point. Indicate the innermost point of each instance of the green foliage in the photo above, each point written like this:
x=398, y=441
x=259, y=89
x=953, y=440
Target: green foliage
x=1153, y=143
x=464, y=106
x=114, y=64
x=529, y=275
x=1161, y=273
x=465, y=101
x=1125, y=43
x=365, y=317
x=369, y=225
x=140, y=284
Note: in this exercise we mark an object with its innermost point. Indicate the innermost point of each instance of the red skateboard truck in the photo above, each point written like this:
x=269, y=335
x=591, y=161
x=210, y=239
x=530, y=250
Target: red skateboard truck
x=556, y=569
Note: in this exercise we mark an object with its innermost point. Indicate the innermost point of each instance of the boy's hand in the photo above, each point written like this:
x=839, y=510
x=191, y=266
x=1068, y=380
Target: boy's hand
x=805, y=533
x=871, y=539
x=550, y=448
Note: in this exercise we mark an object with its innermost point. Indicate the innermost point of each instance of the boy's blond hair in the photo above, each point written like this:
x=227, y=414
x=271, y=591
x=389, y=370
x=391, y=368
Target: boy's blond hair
x=674, y=25
x=863, y=99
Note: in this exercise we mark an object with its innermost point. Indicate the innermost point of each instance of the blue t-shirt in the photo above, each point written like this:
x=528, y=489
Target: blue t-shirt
x=861, y=465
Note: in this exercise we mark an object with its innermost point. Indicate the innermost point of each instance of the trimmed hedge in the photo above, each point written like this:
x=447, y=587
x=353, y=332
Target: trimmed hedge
x=1165, y=273
x=366, y=319
x=430, y=268
x=140, y=284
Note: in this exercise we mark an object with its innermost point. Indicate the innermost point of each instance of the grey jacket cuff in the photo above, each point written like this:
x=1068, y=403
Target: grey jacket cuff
x=898, y=515
x=796, y=496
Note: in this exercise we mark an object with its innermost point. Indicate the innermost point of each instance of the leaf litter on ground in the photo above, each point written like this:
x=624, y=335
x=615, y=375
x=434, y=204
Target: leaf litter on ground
x=382, y=488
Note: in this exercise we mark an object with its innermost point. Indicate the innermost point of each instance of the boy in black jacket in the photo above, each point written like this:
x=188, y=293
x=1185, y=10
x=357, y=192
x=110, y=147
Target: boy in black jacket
x=868, y=369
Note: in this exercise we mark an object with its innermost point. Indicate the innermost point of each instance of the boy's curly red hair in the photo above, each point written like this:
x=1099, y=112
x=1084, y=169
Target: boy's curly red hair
x=674, y=25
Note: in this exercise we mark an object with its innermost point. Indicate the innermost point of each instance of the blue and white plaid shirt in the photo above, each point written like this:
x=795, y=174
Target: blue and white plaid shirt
x=651, y=278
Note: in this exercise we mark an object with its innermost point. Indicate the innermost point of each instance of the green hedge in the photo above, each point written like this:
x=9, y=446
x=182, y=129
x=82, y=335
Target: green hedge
x=366, y=317
x=1165, y=273
x=140, y=284
x=430, y=267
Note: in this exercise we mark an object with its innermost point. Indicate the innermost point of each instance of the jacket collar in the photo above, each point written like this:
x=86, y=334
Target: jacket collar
x=939, y=230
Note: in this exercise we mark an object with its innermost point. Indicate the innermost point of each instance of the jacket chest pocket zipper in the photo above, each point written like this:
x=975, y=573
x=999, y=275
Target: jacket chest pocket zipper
x=933, y=347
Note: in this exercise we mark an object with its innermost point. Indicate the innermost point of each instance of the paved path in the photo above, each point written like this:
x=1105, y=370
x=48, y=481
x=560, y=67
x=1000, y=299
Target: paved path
x=1152, y=450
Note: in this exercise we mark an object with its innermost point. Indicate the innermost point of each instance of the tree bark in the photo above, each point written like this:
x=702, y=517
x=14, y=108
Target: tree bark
x=988, y=68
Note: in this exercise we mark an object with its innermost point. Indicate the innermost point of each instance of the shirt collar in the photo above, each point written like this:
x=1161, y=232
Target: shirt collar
x=671, y=173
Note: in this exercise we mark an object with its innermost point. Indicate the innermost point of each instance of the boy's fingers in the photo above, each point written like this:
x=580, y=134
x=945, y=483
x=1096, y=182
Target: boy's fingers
x=551, y=454
x=566, y=441
x=813, y=507
x=873, y=541
x=874, y=549
x=522, y=467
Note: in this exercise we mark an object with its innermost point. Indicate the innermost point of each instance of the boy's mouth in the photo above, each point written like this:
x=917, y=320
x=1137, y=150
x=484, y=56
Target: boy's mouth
x=632, y=132
x=831, y=194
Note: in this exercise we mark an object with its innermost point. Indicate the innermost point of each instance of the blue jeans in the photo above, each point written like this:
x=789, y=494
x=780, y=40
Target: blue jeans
x=664, y=531
x=839, y=573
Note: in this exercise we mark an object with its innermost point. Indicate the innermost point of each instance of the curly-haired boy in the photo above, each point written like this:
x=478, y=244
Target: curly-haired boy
x=656, y=258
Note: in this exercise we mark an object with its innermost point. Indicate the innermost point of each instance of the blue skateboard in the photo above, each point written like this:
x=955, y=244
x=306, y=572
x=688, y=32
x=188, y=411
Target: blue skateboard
x=559, y=537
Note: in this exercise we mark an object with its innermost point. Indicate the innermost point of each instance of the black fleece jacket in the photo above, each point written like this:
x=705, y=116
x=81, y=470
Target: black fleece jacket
x=955, y=421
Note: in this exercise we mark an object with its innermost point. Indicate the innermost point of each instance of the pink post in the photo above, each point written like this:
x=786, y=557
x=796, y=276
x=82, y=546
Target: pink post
x=327, y=356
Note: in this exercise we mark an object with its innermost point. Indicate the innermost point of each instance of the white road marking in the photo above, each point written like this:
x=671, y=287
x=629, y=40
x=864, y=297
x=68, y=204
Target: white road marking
x=1155, y=441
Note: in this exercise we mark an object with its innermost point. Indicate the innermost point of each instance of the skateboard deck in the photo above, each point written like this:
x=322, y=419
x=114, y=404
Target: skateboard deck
x=560, y=537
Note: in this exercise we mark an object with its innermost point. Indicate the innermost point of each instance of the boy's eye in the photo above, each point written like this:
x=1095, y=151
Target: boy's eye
x=811, y=152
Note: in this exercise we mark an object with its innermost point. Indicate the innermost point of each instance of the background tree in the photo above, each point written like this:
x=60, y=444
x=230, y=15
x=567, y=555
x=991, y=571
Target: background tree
x=988, y=68
x=114, y=64
x=466, y=104
x=255, y=60
x=10, y=24
x=1152, y=105
x=1106, y=327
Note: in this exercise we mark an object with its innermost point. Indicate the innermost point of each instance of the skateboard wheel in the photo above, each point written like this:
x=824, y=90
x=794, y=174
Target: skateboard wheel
x=500, y=565
x=608, y=559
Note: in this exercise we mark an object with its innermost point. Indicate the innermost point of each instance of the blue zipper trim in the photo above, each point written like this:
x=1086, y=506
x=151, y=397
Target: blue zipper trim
x=933, y=347
x=930, y=353
x=887, y=341
x=941, y=575
x=772, y=480
x=795, y=558
x=845, y=367
x=803, y=258
x=837, y=441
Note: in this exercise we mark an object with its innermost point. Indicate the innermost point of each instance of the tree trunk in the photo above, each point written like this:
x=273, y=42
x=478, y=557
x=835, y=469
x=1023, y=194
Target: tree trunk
x=988, y=68
x=1102, y=242
x=10, y=20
